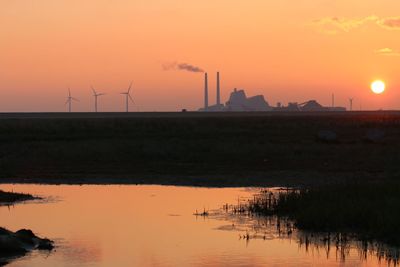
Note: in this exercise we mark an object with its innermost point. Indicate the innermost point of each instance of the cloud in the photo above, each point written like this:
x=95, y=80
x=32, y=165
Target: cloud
x=390, y=23
x=336, y=25
x=387, y=52
x=181, y=66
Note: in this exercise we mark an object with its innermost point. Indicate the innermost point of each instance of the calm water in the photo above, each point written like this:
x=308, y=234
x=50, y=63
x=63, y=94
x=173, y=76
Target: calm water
x=151, y=226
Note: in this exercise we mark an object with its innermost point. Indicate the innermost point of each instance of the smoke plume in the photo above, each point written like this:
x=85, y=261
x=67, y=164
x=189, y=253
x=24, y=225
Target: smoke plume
x=182, y=66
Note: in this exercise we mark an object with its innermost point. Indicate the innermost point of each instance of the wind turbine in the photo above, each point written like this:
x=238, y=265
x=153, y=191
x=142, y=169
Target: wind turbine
x=128, y=97
x=96, y=95
x=69, y=100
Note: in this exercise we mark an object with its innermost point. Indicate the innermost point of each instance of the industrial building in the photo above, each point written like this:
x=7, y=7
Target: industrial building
x=239, y=102
x=309, y=106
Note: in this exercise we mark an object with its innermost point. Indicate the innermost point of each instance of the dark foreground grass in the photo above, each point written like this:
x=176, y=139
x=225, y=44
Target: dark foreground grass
x=368, y=210
x=232, y=149
x=10, y=197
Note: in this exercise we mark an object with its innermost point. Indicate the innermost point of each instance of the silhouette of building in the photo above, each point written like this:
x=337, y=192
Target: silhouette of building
x=308, y=106
x=238, y=101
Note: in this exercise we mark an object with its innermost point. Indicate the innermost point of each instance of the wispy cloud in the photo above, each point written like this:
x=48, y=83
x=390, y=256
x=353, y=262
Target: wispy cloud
x=390, y=23
x=335, y=25
x=181, y=66
x=387, y=52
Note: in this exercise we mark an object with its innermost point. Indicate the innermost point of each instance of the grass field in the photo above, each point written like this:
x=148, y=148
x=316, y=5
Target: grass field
x=225, y=149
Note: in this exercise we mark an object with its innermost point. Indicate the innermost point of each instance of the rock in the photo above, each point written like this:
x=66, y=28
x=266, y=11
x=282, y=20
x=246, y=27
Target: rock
x=19, y=243
x=327, y=136
x=4, y=231
x=45, y=244
x=26, y=236
x=9, y=244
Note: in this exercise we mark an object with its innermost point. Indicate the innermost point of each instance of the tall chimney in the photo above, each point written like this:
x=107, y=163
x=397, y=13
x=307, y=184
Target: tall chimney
x=218, y=91
x=205, y=91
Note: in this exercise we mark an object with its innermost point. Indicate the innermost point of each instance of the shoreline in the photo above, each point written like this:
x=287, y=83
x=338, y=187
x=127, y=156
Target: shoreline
x=10, y=198
x=275, y=179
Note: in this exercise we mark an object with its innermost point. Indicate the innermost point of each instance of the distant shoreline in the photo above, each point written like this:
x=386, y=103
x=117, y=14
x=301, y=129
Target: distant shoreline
x=278, y=179
x=190, y=114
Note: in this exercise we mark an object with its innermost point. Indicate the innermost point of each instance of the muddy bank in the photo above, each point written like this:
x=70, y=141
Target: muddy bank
x=11, y=197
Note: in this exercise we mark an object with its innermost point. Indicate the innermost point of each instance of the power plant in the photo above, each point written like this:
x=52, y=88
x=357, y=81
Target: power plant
x=218, y=106
x=239, y=102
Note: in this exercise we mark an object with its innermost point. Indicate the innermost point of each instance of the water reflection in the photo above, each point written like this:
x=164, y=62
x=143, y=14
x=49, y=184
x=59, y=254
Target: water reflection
x=155, y=226
x=81, y=251
x=339, y=246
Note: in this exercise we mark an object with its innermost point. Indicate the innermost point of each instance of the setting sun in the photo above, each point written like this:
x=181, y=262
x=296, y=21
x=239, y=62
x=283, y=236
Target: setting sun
x=378, y=87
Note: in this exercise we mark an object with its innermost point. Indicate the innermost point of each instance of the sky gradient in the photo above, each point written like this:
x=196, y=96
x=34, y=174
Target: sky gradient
x=286, y=50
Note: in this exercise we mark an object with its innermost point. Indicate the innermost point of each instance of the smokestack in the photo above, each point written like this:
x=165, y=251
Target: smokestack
x=218, y=91
x=205, y=91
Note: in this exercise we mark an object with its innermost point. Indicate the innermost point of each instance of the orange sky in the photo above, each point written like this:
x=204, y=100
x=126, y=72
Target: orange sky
x=287, y=50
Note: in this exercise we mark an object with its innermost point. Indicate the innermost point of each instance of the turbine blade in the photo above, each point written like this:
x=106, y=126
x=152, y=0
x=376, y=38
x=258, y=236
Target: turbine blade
x=69, y=92
x=73, y=98
x=94, y=91
x=130, y=87
x=130, y=97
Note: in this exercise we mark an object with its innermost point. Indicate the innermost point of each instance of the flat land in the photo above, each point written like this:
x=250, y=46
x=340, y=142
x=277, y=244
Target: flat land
x=202, y=149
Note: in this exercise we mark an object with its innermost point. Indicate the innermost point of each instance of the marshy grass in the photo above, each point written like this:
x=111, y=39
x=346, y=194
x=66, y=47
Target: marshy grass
x=205, y=213
x=369, y=211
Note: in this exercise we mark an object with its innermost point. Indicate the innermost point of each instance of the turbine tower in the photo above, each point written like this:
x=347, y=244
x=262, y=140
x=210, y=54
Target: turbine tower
x=128, y=97
x=69, y=100
x=96, y=95
x=351, y=103
x=218, y=91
